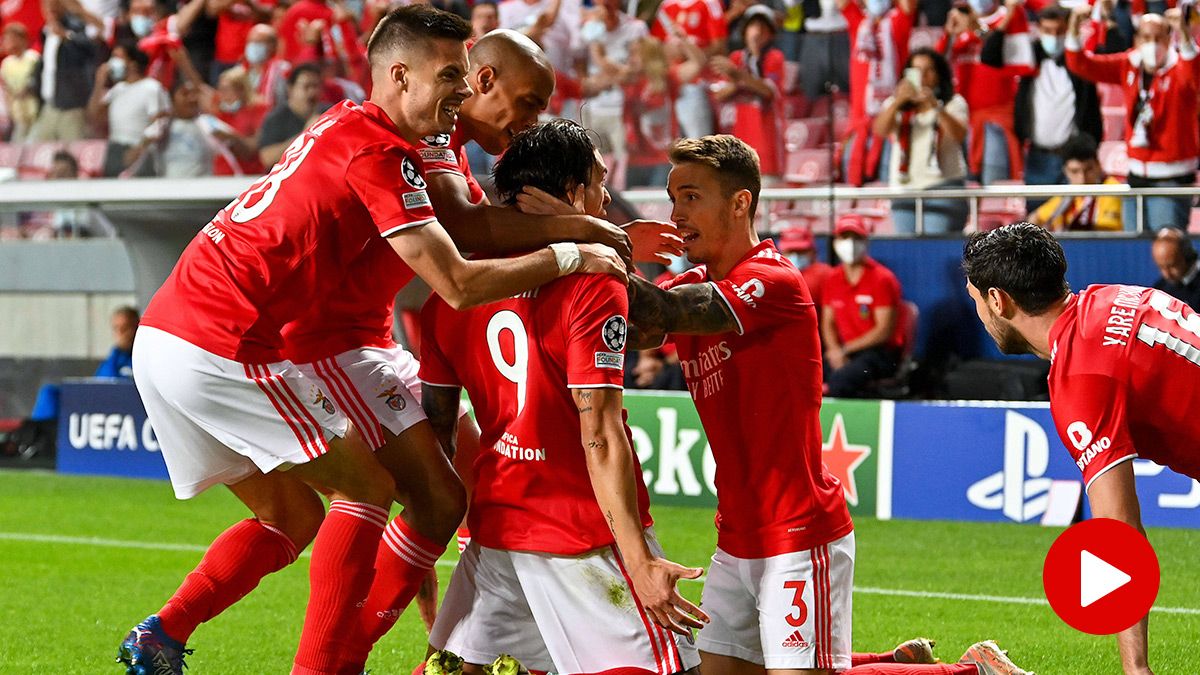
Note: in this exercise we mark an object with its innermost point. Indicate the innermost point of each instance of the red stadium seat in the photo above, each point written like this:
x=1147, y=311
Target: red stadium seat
x=795, y=106
x=36, y=160
x=991, y=220
x=924, y=36
x=808, y=166
x=1113, y=158
x=1114, y=124
x=10, y=155
x=805, y=133
x=90, y=156
x=1111, y=95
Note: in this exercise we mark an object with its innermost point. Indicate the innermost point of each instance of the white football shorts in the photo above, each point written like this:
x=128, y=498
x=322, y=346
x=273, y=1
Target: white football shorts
x=220, y=421
x=572, y=615
x=789, y=611
x=377, y=388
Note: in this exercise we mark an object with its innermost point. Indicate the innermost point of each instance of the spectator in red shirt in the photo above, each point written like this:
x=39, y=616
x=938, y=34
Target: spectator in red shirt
x=798, y=245
x=266, y=72
x=754, y=87
x=235, y=20
x=860, y=321
x=232, y=104
x=1161, y=84
x=700, y=23
x=994, y=152
x=879, y=33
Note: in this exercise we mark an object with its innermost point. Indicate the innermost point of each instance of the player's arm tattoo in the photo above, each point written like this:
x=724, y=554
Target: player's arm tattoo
x=441, y=407
x=584, y=400
x=691, y=309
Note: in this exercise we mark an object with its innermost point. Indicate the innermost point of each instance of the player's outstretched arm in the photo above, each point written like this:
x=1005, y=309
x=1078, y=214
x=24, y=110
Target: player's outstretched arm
x=429, y=251
x=691, y=309
x=495, y=230
x=441, y=407
x=610, y=465
x=1112, y=495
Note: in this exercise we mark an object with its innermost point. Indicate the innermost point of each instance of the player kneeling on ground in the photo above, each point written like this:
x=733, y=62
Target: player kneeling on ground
x=563, y=571
x=1124, y=370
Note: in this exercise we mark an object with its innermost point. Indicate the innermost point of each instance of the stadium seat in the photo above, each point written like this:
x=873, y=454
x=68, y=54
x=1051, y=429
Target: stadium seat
x=1114, y=124
x=805, y=133
x=1113, y=158
x=90, y=155
x=36, y=160
x=795, y=106
x=897, y=386
x=808, y=166
x=1111, y=95
x=991, y=220
x=1194, y=221
x=924, y=36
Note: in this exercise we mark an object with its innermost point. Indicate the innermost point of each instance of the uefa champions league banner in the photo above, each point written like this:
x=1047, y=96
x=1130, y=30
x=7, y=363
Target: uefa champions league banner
x=1004, y=462
x=103, y=430
x=975, y=461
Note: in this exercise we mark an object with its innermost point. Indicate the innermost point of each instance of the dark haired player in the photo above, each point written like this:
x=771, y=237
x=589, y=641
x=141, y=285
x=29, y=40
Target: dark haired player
x=230, y=409
x=1124, y=370
x=563, y=571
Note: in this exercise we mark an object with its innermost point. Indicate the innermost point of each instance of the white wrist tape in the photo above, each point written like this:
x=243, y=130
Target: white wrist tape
x=568, y=257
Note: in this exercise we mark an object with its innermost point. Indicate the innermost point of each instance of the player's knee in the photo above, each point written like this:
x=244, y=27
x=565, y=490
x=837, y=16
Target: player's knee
x=299, y=517
x=450, y=506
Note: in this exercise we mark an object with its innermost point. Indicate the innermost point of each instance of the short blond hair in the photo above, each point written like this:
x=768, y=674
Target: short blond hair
x=735, y=162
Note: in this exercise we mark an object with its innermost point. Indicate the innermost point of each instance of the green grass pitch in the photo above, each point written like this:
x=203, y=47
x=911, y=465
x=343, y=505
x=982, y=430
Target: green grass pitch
x=65, y=603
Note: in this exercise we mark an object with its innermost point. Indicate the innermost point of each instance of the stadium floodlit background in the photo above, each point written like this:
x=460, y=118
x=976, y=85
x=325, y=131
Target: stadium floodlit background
x=955, y=476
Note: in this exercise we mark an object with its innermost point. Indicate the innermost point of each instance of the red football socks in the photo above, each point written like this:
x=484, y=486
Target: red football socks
x=231, y=568
x=912, y=669
x=400, y=566
x=857, y=659
x=340, y=577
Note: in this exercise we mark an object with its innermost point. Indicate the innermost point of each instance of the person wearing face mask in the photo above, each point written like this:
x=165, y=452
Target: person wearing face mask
x=128, y=102
x=1162, y=133
x=1052, y=103
x=879, y=35
x=235, y=20
x=231, y=104
x=797, y=244
x=861, y=320
x=266, y=71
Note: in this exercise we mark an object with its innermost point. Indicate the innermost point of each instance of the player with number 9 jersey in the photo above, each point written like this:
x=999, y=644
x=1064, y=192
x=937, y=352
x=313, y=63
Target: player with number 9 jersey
x=518, y=359
x=1125, y=379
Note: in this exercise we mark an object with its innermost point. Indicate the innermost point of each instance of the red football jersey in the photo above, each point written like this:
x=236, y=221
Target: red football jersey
x=701, y=20
x=518, y=360
x=1125, y=379
x=854, y=306
x=359, y=313
x=285, y=244
x=758, y=393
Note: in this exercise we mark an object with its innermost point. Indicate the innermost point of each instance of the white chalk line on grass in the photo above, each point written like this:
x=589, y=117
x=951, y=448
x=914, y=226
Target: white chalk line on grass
x=33, y=537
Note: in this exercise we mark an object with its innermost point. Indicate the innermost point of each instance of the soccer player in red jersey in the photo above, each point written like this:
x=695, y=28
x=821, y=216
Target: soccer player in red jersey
x=229, y=409
x=563, y=571
x=1124, y=378
x=779, y=587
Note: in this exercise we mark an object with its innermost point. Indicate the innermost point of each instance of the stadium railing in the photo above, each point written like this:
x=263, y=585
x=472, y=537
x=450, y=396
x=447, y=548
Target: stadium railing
x=157, y=193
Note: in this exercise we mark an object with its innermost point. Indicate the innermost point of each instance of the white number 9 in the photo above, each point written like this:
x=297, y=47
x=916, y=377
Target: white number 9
x=516, y=372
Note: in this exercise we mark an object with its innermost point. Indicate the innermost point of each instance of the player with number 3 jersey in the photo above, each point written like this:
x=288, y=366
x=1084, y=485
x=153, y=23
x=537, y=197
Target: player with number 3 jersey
x=1124, y=370
x=779, y=587
x=563, y=570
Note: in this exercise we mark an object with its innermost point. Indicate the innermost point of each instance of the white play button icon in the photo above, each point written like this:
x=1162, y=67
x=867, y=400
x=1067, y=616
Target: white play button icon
x=1097, y=578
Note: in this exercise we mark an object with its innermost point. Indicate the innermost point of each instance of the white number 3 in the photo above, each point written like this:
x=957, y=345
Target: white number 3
x=516, y=372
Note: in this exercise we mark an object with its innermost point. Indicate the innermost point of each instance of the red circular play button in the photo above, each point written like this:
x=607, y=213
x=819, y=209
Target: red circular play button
x=1101, y=576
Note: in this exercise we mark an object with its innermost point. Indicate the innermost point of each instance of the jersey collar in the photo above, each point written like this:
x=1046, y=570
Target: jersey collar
x=1061, y=323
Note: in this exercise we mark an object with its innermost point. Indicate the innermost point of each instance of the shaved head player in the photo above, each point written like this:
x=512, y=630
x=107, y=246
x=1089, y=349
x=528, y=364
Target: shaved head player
x=230, y=409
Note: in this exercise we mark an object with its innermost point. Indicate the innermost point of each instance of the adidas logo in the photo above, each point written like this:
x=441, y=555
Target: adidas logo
x=795, y=640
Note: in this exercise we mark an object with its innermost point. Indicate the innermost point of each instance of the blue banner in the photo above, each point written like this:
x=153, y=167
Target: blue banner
x=103, y=430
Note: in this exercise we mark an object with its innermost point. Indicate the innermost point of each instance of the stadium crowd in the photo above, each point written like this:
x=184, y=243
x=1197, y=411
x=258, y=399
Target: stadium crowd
x=922, y=95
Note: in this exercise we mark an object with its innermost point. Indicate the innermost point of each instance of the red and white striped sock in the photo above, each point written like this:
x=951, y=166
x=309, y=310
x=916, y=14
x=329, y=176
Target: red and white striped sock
x=400, y=566
x=231, y=568
x=339, y=578
x=913, y=669
x=464, y=538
